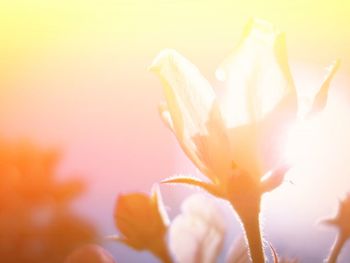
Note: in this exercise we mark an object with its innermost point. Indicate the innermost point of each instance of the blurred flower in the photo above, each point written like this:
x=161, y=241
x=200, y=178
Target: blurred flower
x=341, y=222
x=36, y=222
x=242, y=133
x=142, y=222
x=90, y=254
x=197, y=234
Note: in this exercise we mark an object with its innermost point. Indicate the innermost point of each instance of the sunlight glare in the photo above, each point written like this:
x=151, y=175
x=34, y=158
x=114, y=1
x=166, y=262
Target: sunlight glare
x=299, y=142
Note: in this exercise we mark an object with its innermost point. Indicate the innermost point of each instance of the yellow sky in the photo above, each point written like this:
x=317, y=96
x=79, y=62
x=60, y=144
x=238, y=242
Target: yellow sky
x=30, y=24
x=74, y=71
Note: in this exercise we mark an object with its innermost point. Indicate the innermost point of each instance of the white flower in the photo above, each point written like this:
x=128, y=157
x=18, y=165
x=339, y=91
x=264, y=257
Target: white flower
x=197, y=234
x=243, y=133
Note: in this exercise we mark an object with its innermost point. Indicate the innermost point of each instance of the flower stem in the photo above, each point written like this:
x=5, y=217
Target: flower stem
x=253, y=235
x=248, y=211
x=336, y=248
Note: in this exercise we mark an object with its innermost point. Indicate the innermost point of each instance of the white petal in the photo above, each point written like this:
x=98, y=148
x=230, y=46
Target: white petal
x=260, y=98
x=197, y=235
x=188, y=94
x=257, y=75
x=321, y=97
x=189, y=99
x=214, y=148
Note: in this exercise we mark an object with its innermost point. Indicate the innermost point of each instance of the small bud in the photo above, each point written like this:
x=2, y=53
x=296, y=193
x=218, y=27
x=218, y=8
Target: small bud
x=140, y=219
x=143, y=223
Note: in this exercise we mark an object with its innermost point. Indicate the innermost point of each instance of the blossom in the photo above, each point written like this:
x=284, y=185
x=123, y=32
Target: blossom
x=142, y=222
x=236, y=139
x=197, y=234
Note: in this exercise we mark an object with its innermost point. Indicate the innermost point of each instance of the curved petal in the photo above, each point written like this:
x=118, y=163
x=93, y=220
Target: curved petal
x=187, y=145
x=321, y=97
x=257, y=75
x=157, y=199
x=260, y=98
x=214, y=148
x=189, y=98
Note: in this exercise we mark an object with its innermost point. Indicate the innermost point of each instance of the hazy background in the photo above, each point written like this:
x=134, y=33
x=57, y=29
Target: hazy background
x=73, y=75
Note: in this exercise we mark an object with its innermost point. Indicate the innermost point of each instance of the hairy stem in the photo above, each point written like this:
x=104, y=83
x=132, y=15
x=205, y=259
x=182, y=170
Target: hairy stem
x=336, y=248
x=253, y=235
x=248, y=210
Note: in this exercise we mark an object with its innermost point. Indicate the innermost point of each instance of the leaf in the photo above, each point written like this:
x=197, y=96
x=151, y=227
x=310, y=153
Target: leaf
x=209, y=187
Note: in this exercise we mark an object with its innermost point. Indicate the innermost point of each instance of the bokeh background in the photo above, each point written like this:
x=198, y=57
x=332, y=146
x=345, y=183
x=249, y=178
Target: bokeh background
x=73, y=76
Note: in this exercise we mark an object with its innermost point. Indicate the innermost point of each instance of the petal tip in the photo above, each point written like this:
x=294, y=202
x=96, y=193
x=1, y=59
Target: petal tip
x=163, y=56
x=260, y=28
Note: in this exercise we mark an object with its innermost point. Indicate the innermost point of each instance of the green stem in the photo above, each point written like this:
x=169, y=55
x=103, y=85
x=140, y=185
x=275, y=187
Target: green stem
x=336, y=248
